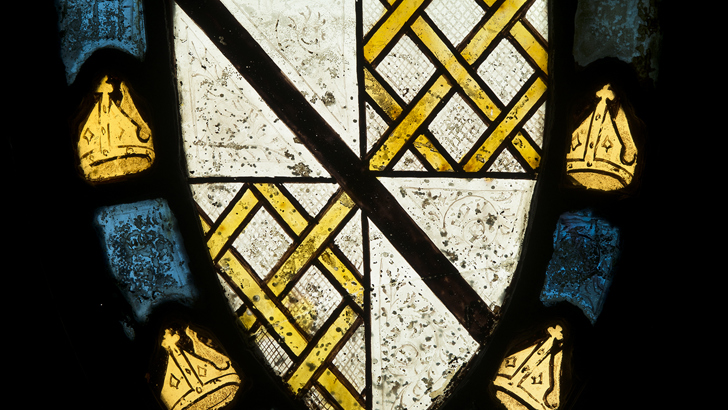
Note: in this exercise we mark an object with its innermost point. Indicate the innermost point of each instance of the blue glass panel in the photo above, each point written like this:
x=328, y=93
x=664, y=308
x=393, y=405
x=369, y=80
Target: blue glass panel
x=88, y=25
x=586, y=248
x=145, y=254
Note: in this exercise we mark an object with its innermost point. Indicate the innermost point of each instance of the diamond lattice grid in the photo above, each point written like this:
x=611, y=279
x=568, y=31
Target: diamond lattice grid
x=456, y=18
x=262, y=243
x=375, y=126
x=312, y=300
x=273, y=353
x=406, y=68
x=505, y=71
x=538, y=16
x=351, y=360
x=534, y=125
x=457, y=127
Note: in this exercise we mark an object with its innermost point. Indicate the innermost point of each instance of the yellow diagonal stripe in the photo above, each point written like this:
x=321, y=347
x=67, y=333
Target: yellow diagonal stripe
x=381, y=96
x=323, y=349
x=431, y=154
x=456, y=70
x=298, y=223
x=283, y=207
x=514, y=117
x=389, y=29
x=343, y=275
x=338, y=391
x=490, y=30
x=231, y=222
x=230, y=266
x=406, y=129
x=531, y=45
x=527, y=151
x=331, y=219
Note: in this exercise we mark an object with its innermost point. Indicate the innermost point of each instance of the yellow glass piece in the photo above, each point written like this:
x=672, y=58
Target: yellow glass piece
x=527, y=151
x=391, y=26
x=205, y=226
x=283, y=207
x=277, y=320
x=322, y=350
x=247, y=319
x=298, y=223
x=196, y=376
x=331, y=219
x=602, y=155
x=114, y=141
x=491, y=29
x=343, y=275
x=527, y=101
x=405, y=129
x=338, y=391
x=453, y=66
x=531, y=45
x=381, y=96
x=231, y=222
x=533, y=375
x=431, y=154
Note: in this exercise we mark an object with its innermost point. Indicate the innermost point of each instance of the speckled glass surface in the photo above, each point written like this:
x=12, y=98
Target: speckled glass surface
x=89, y=25
x=145, y=254
x=586, y=250
x=336, y=303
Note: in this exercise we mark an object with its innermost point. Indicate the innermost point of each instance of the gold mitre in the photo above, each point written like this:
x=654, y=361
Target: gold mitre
x=114, y=141
x=197, y=376
x=531, y=378
x=603, y=155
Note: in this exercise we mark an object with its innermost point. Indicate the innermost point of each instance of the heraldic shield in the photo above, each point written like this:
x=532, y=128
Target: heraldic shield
x=363, y=173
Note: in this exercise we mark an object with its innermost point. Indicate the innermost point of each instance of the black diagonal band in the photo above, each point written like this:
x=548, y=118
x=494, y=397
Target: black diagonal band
x=239, y=47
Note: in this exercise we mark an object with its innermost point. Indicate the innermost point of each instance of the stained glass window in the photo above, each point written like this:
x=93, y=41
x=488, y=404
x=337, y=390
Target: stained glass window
x=365, y=194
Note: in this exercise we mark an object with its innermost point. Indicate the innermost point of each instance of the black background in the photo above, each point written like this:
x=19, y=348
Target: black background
x=65, y=310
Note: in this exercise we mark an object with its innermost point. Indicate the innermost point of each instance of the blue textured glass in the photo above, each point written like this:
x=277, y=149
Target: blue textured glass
x=145, y=254
x=586, y=248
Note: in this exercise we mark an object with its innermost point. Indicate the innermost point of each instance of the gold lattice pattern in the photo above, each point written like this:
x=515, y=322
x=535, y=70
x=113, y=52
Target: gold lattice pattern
x=418, y=63
x=303, y=304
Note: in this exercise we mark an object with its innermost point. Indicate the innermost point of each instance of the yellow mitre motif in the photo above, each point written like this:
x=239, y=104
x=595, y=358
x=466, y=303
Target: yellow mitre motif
x=531, y=378
x=602, y=154
x=200, y=377
x=114, y=141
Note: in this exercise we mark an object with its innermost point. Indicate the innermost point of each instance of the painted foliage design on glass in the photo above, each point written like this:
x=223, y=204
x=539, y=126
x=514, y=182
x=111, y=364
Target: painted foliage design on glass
x=338, y=265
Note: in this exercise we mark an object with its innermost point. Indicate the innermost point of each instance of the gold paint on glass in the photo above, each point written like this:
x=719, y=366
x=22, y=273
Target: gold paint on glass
x=298, y=223
x=283, y=207
x=332, y=218
x=247, y=319
x=196, y=376
x=512, y=119
x=322, y=350
x=602, y=155
x=392, y=25
x=290, y=334
x=532, y=47
x=338, y=391
x=527, y=151
x=431, y=154
x=380, y=95
x=456, y=70
x=533, y=375
x=491, y=29
x=343, y=275
x=114, y=141
x=231, y=222
x=406, y=129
